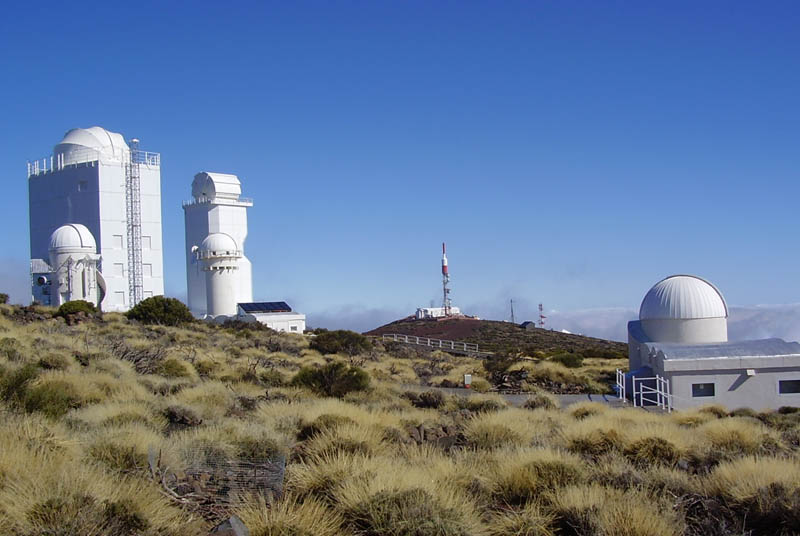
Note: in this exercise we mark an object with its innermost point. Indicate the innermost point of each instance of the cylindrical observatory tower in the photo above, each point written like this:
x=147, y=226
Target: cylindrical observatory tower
x=219, y=257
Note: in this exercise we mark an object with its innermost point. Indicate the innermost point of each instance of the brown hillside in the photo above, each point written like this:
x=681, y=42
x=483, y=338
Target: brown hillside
x=492, y=335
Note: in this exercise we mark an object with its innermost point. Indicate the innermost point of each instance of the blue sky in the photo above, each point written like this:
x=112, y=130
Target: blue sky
x=570, y=153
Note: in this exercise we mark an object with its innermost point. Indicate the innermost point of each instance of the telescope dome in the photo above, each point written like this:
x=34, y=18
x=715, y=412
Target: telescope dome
x=218, y=244
x=73, y=236
x=683, y=297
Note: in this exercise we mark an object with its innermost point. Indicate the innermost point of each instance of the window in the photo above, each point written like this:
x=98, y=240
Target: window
x=702, y=389
x=83, y=186
x=119, y=297
x=147, y=242
x=294, y=328
x=148, y=293
x=119, y=269
x=117, y=241
x=147, y=270
x=789, y=387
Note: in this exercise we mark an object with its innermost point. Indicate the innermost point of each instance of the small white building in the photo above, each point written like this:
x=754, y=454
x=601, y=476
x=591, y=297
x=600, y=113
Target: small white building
x=682, y=337
x=72, y=272
x=275, y=315
x=95, y=179
x=435, y=312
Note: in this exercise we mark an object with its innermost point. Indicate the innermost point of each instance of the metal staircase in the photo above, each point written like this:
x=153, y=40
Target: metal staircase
x=133, y=213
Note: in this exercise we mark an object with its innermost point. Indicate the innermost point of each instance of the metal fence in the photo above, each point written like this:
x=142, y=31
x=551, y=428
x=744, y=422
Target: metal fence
x=458, y=346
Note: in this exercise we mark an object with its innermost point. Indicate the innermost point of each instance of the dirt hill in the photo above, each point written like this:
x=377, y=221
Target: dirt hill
x=492, y=335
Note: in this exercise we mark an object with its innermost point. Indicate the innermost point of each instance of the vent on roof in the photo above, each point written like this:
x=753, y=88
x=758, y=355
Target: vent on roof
x=266, y=307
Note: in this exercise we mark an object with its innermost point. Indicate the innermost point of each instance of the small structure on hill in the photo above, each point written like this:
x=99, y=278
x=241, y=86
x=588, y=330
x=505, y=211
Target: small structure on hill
x=275, y=315
x=679, y=353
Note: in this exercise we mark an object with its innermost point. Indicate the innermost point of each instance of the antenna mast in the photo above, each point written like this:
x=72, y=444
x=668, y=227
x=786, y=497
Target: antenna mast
x=512, y=312
x=446, y=302
x=133, y=214
x=541, y=316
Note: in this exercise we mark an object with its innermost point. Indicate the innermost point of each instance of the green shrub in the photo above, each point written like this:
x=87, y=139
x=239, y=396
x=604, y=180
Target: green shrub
x=406, y=513
x=10, y=348
x=787, y=410
x=340, y=341
x=650, y=451
x=54, y=398
x=569, y=360
x=476, y=404
x=54, y=362
x=333, y=379
x=540, y=401
x=323, y=423
x=173, y=368
x=75, y=307
x=162, y=311
x=3, y=298
x=258, y=448
x=14, y=384
x=205, y=367
x=271, y=378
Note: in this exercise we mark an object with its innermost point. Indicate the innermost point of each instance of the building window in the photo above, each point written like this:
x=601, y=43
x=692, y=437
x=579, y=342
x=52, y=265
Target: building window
x=147, y=242
x=119, y=269
x=83, y=186
x=702, y=389
x=119, y=297
x=789, y=387
x=147, y=270
x=148, y=293
x=294, y=328
x=117, y=239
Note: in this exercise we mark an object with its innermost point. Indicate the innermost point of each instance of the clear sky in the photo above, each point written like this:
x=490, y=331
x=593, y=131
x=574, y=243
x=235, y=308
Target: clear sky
x=570, y=153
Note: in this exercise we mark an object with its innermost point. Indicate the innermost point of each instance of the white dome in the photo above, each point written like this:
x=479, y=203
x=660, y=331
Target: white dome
x=218, y=244
x=79, y=143
x=216, y=185
x=73, y=236
x=683, y=297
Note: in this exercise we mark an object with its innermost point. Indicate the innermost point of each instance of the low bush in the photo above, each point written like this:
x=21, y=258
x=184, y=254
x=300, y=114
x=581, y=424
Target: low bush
x=569, y=360
x=3, y=298
x=271, y=378
x=477, y=403
x=333, y=379
x=161, y=311
x=14, y=384
x=595, y=443
x=54, y=362
x=11, y=348
x=480, y=386
x=74, y=307
x=290, y=517
x=340, y=341
x=173, y=368
x=525, y=475
x=425, y=399
x=54, y=398
x=407, y=512
x=650, y=451
x=529, y=521
x=540, y=401
x=323, y=423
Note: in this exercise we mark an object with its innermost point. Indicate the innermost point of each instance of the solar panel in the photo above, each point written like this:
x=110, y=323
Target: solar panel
x=266, y=307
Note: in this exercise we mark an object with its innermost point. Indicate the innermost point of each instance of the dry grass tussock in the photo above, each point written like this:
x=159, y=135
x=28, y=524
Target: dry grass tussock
x=77, y=422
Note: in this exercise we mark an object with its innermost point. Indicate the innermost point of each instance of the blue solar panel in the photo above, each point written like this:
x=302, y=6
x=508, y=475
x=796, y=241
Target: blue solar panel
x=266, y=307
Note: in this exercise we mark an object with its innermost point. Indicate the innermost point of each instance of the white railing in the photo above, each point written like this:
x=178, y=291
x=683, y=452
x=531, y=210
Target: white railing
x=433, y=343
x=223, y=200
x=620, y=384
x=89, y=156
x=646, y=395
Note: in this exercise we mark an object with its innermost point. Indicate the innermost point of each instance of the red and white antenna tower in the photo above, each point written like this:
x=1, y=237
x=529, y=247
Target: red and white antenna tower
x=446, y=303
x=541, y=316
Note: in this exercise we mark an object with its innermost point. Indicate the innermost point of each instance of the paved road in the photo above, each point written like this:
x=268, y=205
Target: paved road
x=518, y=400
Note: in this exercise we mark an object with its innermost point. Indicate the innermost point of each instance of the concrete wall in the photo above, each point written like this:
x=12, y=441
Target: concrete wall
x=734, y=388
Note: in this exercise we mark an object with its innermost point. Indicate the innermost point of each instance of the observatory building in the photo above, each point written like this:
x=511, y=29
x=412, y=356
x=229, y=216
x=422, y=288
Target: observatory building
x=96, y=192
x=681, y=338
x=218, y=275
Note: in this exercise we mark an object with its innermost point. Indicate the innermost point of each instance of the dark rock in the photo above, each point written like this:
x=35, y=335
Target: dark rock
x=231, y=527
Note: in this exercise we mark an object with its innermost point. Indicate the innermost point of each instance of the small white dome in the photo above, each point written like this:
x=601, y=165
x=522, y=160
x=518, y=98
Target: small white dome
x=73, y=236
x=78, y=143
x=684, y=297
x=218, y=244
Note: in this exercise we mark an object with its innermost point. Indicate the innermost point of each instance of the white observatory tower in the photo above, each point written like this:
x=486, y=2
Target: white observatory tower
x=95, y=180
x=217, y=216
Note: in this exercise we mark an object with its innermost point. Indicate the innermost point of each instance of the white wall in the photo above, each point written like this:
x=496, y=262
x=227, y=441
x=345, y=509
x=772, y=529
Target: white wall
x=690, y=331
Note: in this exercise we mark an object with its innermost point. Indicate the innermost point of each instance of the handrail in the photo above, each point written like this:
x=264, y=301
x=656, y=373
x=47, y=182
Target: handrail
x=432, y=343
